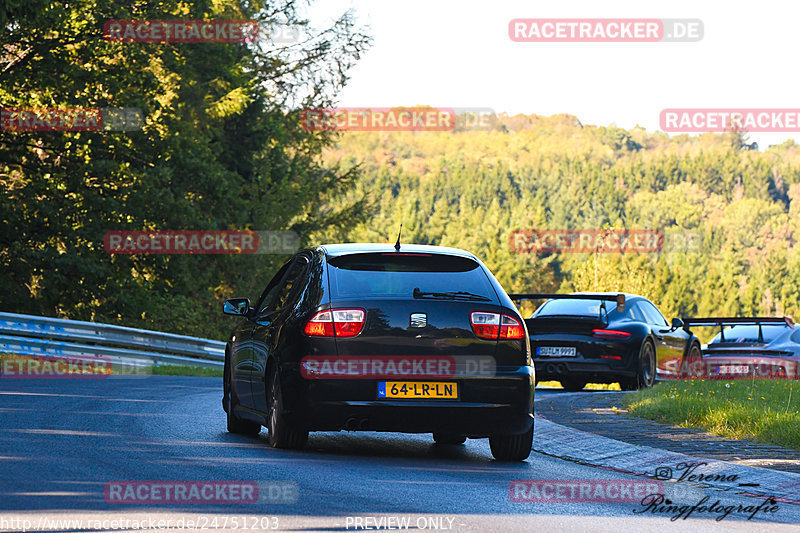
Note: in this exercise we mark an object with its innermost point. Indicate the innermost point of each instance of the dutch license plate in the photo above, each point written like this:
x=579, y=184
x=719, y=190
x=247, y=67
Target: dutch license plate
x=418, y=389
x=556, y=351
x=733, y=369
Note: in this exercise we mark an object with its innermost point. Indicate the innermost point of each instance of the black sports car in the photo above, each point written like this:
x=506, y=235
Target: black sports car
x=604, y=338
x=748, y=347
x=416, y=339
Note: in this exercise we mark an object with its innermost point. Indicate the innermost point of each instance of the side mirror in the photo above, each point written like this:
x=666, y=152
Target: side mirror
x=236, y=306
x=677, y=323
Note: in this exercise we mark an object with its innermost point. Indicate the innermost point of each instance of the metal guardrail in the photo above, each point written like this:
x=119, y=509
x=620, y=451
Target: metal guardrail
x=55, y=337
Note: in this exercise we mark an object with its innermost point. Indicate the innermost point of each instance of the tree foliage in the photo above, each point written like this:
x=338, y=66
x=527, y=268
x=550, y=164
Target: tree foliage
x=730, y=215
x=221, y=147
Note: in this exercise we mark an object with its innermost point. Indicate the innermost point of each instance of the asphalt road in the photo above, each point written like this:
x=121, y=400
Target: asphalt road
x=62, y=441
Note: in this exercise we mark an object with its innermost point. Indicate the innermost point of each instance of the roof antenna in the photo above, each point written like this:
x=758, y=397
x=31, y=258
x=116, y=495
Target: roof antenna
x=397, y=244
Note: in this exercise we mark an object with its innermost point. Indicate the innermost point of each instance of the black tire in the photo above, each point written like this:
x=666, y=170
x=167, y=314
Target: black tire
x=449, y=438
x=573, y=385
x=512, y=447
x=281, y=434
x=645, y=369
x=694, y=355
x=229, y=403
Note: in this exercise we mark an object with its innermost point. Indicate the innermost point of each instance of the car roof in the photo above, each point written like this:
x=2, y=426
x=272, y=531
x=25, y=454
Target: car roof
x=336, y=250
x=628, y=296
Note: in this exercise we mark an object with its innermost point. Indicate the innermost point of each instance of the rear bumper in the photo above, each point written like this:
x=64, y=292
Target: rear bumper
x=722, y=365
x=588, y=364
x=501, y=404
x=553, y=369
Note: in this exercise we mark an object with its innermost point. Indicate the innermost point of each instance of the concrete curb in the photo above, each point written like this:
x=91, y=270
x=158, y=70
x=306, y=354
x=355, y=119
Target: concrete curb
x=567, y=443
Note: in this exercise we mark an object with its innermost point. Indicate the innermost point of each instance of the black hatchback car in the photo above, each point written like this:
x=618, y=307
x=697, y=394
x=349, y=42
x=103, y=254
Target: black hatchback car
x=605, y=338
x=420, y=339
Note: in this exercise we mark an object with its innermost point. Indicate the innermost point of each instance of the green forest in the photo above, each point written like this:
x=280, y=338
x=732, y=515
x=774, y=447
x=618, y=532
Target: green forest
x=222, y=147
x=730, y=213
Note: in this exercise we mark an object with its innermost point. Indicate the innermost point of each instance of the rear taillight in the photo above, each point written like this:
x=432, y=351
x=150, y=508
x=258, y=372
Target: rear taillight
x=485, y=325
x=612, y=334
x=510, y=328
x=495, y=326
x=336, y=323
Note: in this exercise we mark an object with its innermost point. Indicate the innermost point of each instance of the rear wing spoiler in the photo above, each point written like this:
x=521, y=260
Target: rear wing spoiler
x=734, y=321
x=619, y=298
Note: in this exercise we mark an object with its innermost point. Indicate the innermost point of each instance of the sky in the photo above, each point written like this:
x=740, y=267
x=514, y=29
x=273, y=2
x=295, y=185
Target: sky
x=458, y=54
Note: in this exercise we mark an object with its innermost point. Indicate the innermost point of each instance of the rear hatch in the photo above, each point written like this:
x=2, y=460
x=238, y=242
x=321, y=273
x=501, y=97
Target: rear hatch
x=744, y=350
x=417, y=305
x=747, y=339
x=566, y=329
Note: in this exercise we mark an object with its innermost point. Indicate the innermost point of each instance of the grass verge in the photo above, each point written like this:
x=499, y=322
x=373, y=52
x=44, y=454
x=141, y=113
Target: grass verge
x=181, y=370
x=759, y=410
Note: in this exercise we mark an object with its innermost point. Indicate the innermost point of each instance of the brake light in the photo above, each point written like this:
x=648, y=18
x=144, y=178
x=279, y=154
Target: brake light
x=615, y=357
x=495, y=326
x=610, y=334
x=510, y=328
x=336, y=323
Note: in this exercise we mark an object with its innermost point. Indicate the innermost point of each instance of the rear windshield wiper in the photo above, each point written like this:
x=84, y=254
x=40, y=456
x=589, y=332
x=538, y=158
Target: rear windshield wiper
x=453, y=295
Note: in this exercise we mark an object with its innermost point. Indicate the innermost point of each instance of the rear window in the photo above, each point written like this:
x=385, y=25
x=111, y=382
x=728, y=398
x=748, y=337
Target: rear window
x=398, y=274
x=749, y=334
x=575, y=308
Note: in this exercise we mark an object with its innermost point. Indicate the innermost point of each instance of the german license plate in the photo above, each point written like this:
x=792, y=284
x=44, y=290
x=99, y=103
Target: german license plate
x=733, y=369
x=418, y=389
x=556, y=351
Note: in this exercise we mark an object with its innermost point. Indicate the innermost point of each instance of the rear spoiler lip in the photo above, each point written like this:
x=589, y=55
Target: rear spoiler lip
x=732, y=321
x=618, y=298
x=736, y=352
x=553, y=296
x=563, y=317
